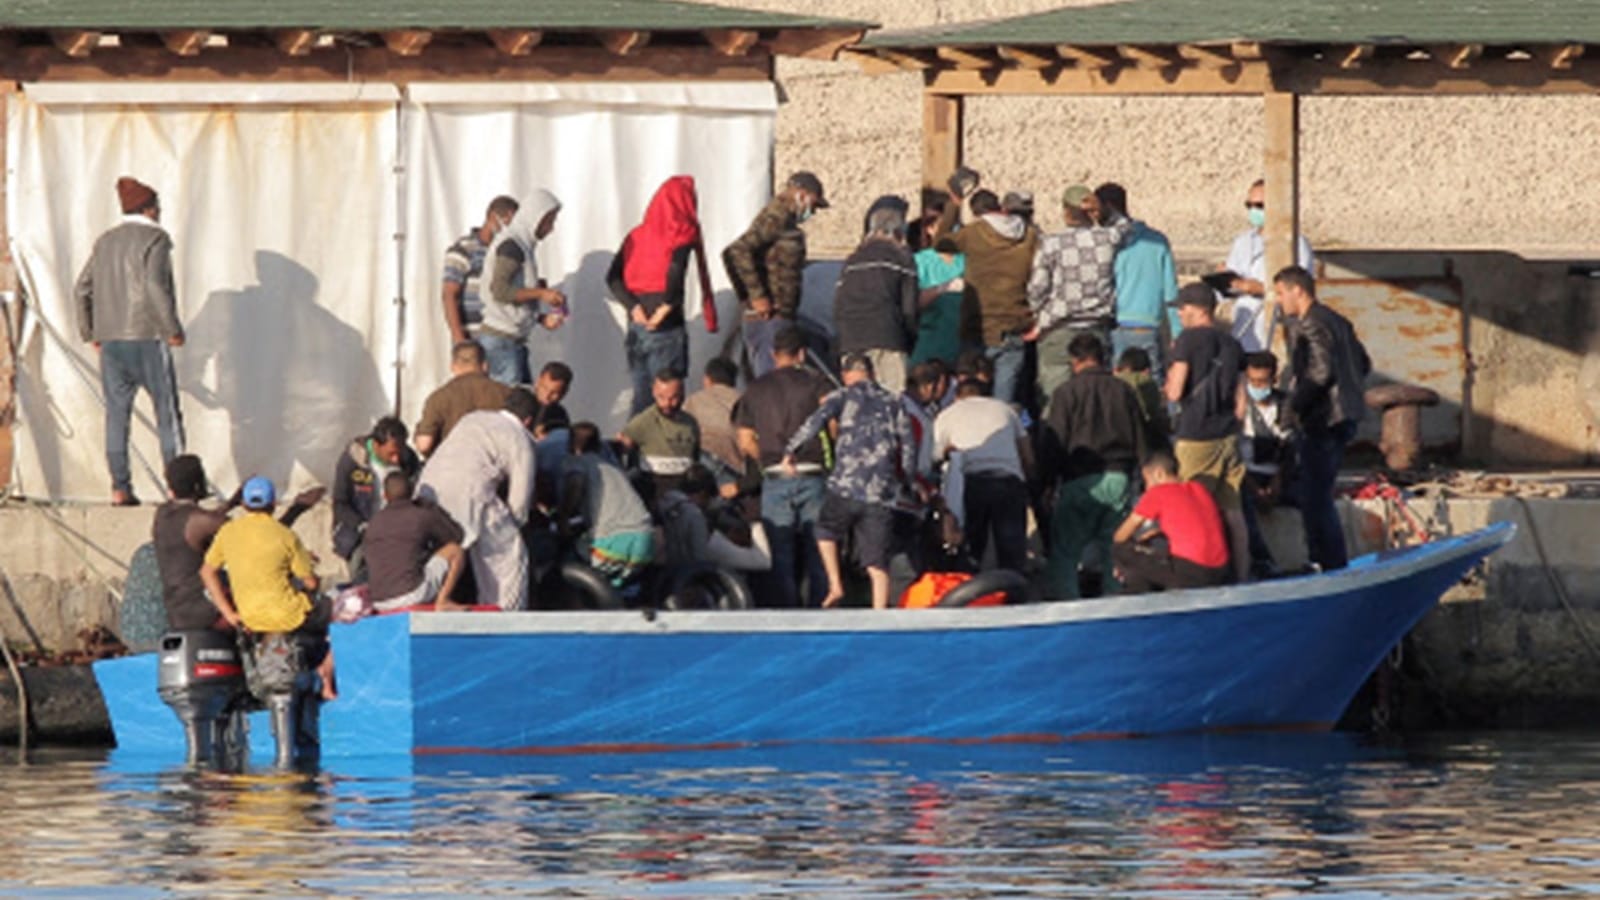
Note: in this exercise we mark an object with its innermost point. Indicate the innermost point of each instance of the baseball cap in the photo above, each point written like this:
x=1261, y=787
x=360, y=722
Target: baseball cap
x=808, y=181
x=1017, y=201
x=259, y=493
x=1197, y=294
x=1075, y=195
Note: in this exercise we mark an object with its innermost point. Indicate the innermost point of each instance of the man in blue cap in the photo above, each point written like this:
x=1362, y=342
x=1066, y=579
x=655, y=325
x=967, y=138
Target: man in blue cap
x=271, y=587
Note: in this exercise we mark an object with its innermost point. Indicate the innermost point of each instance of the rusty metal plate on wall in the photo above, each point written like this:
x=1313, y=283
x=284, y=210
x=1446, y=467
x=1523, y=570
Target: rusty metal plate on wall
x=1416, y=333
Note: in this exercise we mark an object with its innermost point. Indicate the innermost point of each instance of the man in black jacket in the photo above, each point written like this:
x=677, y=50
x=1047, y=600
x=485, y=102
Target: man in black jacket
x=1327, y=368
x=876, y=301
x=1093, y=440
x=358, y=485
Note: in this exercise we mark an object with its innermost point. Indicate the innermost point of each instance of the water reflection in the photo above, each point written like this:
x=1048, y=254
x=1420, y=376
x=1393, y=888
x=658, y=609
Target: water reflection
x=1262, y=816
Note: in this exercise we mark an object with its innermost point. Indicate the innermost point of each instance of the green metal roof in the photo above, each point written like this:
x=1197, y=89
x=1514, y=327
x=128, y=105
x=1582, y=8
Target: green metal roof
x=381, y=15
x=1170, y=22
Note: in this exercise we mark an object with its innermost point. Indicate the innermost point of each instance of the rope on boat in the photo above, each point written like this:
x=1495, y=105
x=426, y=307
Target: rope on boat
x=1555, y=577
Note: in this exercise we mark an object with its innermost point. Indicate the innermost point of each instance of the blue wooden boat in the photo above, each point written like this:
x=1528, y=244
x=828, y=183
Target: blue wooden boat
x=1284, y=654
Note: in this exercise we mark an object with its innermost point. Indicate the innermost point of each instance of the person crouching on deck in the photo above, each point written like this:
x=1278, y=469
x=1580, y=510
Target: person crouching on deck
x=271, y=589
x=1196, y=554
x=619, y=536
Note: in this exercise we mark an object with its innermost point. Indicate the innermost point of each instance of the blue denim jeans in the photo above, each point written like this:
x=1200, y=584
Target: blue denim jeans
x=125, y=367
x=1008, y=359
x=758, y=335
x=650, y=352
x=1148, y=339
x=508, y=358
x=789, y=510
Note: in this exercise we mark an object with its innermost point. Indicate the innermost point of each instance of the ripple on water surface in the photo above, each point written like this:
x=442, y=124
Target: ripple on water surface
x=1326, y=815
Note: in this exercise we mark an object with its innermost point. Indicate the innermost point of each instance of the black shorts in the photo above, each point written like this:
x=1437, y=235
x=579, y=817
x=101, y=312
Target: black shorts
x=869, y=526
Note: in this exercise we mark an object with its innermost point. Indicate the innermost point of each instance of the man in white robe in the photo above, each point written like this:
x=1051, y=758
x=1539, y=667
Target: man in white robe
x=485, y=451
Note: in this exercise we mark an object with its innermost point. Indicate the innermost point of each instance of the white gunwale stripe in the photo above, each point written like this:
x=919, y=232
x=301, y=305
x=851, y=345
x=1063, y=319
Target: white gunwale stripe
x=1411, y=562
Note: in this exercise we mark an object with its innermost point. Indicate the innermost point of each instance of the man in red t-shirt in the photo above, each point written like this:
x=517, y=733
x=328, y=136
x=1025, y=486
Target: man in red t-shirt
x=1196, y=554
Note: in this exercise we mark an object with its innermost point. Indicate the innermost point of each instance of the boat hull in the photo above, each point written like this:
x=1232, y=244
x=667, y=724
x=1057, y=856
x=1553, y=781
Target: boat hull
x=1285, y=654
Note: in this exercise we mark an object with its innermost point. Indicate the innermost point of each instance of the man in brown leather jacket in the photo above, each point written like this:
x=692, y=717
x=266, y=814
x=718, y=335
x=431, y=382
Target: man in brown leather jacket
x=128, y=309
x=1327, y=369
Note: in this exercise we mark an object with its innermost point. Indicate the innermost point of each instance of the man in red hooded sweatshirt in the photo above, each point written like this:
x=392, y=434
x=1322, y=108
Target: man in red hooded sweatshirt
x=649, y=276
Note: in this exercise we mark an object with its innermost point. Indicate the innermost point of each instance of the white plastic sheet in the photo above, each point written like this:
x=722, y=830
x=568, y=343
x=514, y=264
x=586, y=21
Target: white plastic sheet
x=603, y=149
x=285, y=275
x=285, y=209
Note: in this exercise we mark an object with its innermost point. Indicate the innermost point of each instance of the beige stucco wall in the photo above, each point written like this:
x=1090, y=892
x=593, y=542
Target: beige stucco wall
x=1517, y=176
x=1507, y=173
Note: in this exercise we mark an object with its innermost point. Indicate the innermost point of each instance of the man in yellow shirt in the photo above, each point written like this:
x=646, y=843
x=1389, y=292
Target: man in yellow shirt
x=271, y=583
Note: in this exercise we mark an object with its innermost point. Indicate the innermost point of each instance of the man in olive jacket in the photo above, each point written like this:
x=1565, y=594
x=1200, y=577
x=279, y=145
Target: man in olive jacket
x=128, y=309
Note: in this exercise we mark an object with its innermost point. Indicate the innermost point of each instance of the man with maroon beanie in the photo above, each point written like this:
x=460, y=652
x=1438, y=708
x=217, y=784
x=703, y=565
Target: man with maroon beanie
x=128, y=309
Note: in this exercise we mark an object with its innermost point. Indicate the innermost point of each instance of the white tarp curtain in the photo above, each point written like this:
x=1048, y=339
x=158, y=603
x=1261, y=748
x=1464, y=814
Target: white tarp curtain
x=284, y=205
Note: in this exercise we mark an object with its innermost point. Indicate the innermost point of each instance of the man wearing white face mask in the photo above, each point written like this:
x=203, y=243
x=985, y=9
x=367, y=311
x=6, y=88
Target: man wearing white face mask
x=766, y=265
x=517, y=299
x=463, y=270
x=1248, y=261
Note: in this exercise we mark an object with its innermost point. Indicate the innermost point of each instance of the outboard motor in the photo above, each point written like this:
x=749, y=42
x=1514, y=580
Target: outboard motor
x=281, y=671
x=201, y=676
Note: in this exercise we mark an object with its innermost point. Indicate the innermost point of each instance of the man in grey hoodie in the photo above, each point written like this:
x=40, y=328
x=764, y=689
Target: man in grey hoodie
x=128, y=309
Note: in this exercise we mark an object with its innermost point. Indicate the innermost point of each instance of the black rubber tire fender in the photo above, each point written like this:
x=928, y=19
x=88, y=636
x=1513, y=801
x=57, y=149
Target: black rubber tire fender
x=595, y=589
x=731, y=590
x=1013, y=584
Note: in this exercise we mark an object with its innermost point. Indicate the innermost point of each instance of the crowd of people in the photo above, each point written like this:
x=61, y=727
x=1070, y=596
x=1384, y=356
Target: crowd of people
x=984, y=369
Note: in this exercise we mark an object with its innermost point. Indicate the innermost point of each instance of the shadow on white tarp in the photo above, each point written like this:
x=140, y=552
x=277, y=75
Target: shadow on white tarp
x=296, y=226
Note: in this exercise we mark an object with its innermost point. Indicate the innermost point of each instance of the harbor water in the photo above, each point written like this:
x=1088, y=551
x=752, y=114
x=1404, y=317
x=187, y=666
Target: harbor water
x=1511, y=814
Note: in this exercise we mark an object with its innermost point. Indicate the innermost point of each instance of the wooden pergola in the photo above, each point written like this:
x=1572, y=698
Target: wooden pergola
x=393, y=42
x=1279, y=50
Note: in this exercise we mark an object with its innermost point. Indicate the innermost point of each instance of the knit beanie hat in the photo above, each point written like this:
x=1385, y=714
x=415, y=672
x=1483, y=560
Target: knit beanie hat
x=134, y=194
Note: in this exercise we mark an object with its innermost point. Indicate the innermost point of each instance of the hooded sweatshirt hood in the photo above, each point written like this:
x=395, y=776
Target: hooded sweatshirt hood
x=1008, y=226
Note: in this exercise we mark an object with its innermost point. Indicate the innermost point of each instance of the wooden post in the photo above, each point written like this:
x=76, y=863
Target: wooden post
x=1283, y=194
x=941, y=137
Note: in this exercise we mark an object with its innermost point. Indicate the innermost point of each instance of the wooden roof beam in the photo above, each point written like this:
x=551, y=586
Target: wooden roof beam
x=1458, y=56
x=1354, y=56
x=187, y=42
x=1211, y=57
x=906, y=59
x=1149, y=57
x=624, y=43
x=1564, y=56
x=1086, y=57
x=515, y=41
x=407, y=41
x=966, y=59
x=1248, y=50
x=77, y=44
x=295, y=41
x=732, y=41
x=1025, y=59
x=814, y=43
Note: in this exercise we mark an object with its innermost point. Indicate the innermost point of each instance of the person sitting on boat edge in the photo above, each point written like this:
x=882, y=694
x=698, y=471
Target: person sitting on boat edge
x=875, y=456
x=182, y=531
x=1196, y=551
x=414, y=554
x=618, y=538
x=273, y=587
